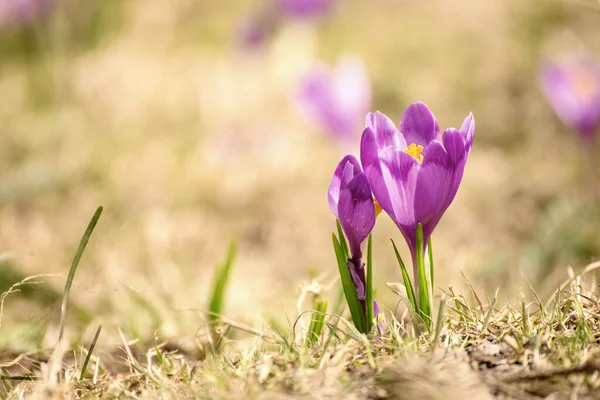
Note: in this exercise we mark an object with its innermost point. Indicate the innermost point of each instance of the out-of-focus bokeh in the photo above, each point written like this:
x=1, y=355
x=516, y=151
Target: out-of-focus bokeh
x=186, y=121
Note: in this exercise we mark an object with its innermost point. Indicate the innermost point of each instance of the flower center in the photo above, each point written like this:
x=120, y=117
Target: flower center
x=585, y=83
x=415, y=151
x=378, y=208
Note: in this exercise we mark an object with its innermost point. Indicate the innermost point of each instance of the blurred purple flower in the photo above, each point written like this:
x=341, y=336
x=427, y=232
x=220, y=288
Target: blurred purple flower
x=305, y=8
x=253, y=33
x=22, y=12
x=415, y=172
x=256, y=30
x=573, y=90
x=351, y=201
x=337, y=99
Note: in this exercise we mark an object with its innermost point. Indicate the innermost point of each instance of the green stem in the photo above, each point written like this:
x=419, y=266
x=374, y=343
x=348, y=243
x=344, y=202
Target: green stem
x=369, y=287
x=423, y=285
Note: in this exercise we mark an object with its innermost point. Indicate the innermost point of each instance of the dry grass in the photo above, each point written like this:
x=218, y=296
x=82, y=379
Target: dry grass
x=517, y=351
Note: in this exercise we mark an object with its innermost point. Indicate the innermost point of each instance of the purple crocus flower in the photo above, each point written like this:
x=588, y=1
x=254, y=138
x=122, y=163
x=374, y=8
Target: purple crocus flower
x=351, y=201
x=573, y=90
x=22, y=12
x=337, y=98
x=302, y=9
x=415, y=172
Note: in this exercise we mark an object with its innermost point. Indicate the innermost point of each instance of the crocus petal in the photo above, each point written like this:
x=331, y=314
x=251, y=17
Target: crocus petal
x=333, y=193
x=454, y=143
x=385, y=131
x=418, y=125
x=399, y=172
x=369, y=158
x=433, y=186
x=356, y=212
x=468, y=130
x=358, y=277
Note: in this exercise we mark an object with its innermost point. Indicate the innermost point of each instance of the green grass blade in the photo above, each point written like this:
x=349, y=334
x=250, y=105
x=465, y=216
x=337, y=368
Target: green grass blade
x=220, y=283
x=423, y=284
x=7, y=385
x=320, y=318
x=488, y=315
x=89, y=354
x=310, y=336
x=82, y=244
x=19, y=378
x=356, y=311
x=369, y=287
x=407, y=283
x=439, y=322
x=317, y=321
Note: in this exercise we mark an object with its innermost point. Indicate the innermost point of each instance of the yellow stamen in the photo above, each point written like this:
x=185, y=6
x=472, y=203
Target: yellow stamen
x=378, y=208
x=415, y=151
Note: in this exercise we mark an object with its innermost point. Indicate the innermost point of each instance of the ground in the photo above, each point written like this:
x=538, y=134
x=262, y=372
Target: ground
x=478, y=350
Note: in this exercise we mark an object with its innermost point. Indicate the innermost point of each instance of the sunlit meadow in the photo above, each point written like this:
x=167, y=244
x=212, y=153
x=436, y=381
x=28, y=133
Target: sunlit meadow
x=210, y=134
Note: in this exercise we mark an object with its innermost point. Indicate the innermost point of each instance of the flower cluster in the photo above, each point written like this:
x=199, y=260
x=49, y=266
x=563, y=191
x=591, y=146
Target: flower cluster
x=413, y=173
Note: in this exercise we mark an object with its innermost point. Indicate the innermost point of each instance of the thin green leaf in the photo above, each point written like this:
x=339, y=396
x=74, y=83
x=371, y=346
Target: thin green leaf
x=82, y=244
x=159, y=356
x=423, y=284
x=316, y=321
x=488, y=315
x=430, y=257
x=409, y=288
x=356, y=311
x=89, y=354
x=342, y=239
x=440, y=321
x=220, y=283
x=7, y=385
x=524, y=315
x=369, y=288
x=19, y=378
x=320, y=318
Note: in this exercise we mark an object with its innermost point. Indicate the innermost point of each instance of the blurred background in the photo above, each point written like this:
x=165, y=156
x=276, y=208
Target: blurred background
x=192, y=123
